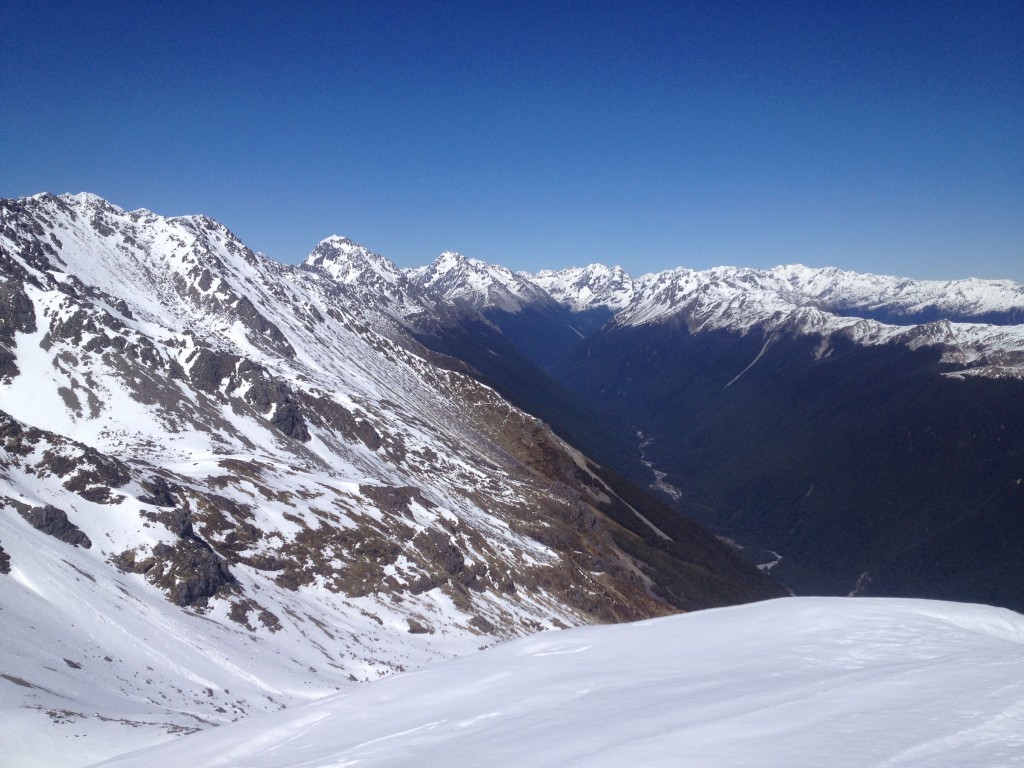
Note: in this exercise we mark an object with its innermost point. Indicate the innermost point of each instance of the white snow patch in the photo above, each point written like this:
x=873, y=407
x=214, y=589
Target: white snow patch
x=797, y=681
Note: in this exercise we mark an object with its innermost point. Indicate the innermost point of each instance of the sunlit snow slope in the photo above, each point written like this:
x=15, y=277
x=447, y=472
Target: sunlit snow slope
x=229, y=485
x=802, y=681
x=977, y=325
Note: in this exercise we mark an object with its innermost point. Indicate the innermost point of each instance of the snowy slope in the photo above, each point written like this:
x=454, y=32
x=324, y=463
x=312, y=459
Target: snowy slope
x=843, y=290
x=801, y=301
x=582, y=288
x=977, y=324
x=799, y=681
x=369, y=280
x=476, y=284
x=229, y=485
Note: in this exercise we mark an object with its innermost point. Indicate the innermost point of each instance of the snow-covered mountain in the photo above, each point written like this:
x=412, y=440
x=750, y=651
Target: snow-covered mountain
x=794, y=285
x=229, y=485
x=352, y=264
x=977, y=324
x=853, y=433
x=372, y=283
x=796, y=301
x=583, y=288
x=973, y=299
x=800, y=681
x=476, y=284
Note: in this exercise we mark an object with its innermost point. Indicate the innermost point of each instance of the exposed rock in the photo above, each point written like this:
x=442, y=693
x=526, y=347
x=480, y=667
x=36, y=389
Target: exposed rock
x=5, y=561
x=254, y=321
x=268, y=395
x=341, y=420
x=8, y=364
x=288, y=419
x=368, y=435
x=394, y=500
x=438, y=546
x=17, y=313
x=90, y=474
x=160, y=492
x=208, y=369
x=240, y=610
x=482, y=624
x=179, y=522
x=53, y=521
x=264, y=392
x=189, y=572
x=122, y=307
x=18, y=439
x=415, y=628
x=265, y=562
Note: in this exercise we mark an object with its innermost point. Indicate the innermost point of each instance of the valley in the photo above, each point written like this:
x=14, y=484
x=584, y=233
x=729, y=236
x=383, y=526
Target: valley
x=231, y=486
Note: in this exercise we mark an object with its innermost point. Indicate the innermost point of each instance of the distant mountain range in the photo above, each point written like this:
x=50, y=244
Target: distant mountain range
x=231, y=485
x=852, y=433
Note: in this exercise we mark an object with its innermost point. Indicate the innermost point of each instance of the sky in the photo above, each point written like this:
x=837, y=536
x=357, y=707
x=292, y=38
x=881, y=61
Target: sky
x=873, y=136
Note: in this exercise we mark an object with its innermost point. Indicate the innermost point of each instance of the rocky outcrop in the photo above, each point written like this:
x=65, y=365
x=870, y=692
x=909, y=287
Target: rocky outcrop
x=54, y=522
x=188, y=571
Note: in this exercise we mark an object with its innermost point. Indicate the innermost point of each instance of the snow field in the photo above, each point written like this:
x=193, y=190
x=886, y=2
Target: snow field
x=797, y=681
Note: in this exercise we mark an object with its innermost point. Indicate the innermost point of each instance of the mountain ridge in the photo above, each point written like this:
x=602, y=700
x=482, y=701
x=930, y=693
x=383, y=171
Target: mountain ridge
x=975, y=321
x=681, y=364
x=208, y=452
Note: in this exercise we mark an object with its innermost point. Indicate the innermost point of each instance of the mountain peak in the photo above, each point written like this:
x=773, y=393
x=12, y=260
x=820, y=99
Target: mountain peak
x=340, y=241
x=449, y=259
x=582, y=288
x=87, y=198
x=460, y=279
x=349, y=262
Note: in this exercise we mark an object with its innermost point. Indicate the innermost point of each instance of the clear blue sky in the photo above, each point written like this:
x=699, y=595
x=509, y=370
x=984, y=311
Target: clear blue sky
x=876, y=136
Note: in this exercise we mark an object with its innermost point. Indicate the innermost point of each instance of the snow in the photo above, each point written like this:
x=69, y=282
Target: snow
x=791, y=298
x=849, y=290
x=477, y=284
x=143, y=664
x=179, y=282
x=797, y=300
x=349, y=262
x=582, y=288
x=725, y=295
x=797, y=681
